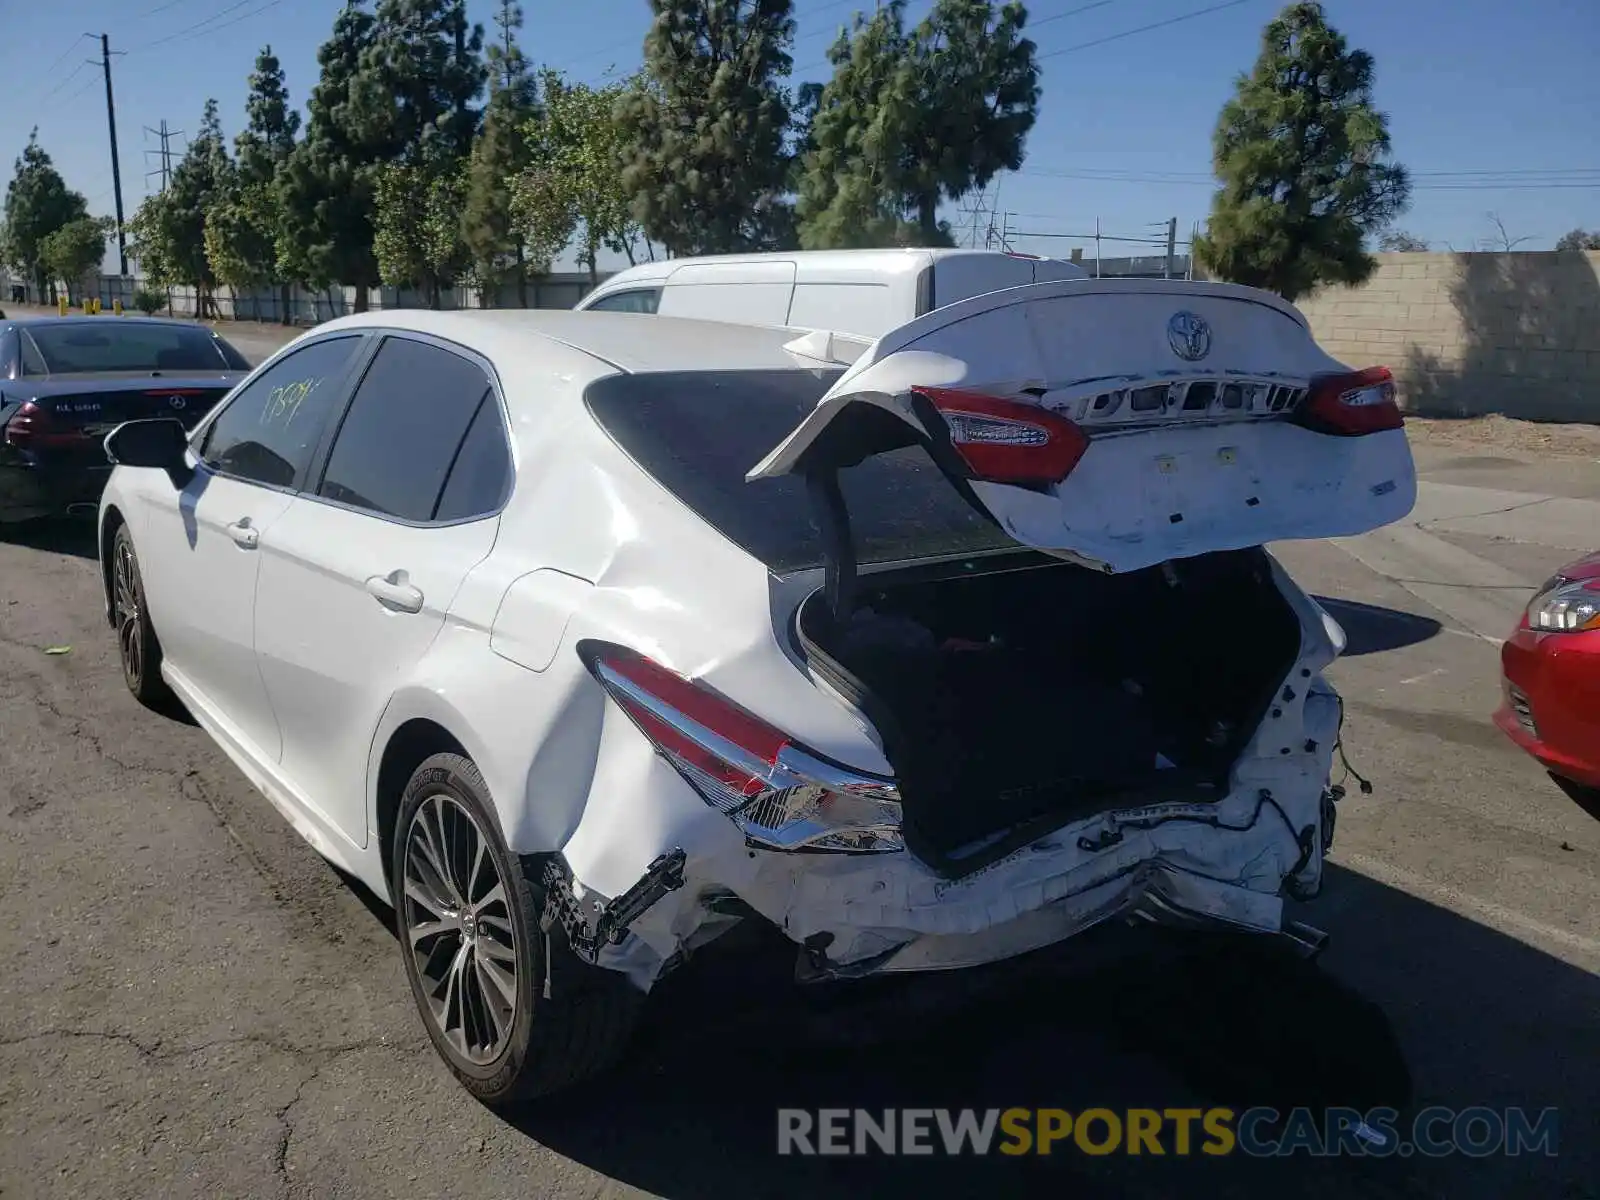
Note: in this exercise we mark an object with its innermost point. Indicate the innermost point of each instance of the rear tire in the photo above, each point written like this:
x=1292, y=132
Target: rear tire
x=468, y=919
x=138, y=648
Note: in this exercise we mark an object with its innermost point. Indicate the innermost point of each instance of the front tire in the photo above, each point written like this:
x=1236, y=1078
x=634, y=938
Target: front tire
x=137, y=645
x=468, y=919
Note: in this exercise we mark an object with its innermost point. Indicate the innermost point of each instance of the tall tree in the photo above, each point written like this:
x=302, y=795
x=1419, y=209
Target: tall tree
x=245, y=221
x=706, y=169
x=76, y=249
x=417, y=230
x=572, y=181
x=500, y=154
x=170, y=227
x=38, y=202
x=325, y=187
x=910, y=120
x=1303, y=157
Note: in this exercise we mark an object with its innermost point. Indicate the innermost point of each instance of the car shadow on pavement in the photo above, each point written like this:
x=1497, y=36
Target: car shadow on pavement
x=694, y=1111
x=1372, y=629
x=1586, y=798
x=66, y=535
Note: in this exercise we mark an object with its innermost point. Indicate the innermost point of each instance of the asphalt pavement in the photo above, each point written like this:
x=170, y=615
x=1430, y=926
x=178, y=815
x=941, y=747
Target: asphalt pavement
x=197, y=1005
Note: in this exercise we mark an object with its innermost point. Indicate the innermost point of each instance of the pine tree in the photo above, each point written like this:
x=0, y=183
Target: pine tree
x=170, y=227
x=913, y=119
x=499, y=156
x=1302, y=155
x=38, y=203
x=244, y=223
x=705, y=167
x=325, y=189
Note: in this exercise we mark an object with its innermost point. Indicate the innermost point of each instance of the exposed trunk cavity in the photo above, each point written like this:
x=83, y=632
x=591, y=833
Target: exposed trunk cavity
x=1018, y=700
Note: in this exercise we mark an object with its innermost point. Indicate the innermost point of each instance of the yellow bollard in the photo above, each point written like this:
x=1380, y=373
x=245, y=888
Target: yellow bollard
x=61, y=305
x=116, y=307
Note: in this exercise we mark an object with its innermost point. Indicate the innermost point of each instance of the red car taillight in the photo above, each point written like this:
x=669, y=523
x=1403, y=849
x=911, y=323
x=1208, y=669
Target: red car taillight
x=1007, y=441
x=781, y=795
x=33, y=426
x=1353, y=404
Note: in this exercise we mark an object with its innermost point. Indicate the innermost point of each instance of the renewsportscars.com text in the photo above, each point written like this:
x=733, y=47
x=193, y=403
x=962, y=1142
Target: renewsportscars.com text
x=1257, y=1132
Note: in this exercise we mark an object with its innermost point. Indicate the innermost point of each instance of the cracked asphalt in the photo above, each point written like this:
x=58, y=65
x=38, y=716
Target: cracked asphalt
x=195, y=1005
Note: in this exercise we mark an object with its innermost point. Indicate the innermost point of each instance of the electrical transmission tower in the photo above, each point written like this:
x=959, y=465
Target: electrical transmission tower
x=164, y=154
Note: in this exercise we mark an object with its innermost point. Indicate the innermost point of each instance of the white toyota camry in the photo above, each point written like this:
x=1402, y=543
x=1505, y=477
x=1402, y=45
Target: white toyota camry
x=584, y=636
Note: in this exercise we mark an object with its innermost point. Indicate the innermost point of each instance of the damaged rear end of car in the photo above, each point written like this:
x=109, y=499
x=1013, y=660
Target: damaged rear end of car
x=1032, y=574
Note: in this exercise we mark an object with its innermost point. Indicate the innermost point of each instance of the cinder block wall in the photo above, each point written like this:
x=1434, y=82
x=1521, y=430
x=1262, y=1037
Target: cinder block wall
x=1470, y=334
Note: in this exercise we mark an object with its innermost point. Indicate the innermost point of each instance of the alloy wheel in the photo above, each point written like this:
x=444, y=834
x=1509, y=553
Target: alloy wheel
x=457, y=925
x=127, y=611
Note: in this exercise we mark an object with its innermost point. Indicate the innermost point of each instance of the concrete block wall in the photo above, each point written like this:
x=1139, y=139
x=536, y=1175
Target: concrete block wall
x=1471, y=334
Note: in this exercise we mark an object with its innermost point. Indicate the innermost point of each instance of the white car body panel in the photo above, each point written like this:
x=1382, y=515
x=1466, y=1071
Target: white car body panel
x=1137, y=498
x=590, y=547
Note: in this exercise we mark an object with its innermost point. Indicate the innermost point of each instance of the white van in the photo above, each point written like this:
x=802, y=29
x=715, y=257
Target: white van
x=863, y=292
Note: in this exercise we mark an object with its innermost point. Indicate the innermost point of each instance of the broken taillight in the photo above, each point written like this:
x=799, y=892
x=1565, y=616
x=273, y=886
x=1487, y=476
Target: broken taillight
x=1351, y=404
x=780, y=795
x=1007, y=441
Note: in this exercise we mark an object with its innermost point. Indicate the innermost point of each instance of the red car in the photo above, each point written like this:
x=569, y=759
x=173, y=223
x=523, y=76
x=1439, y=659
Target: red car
x=1551, y=676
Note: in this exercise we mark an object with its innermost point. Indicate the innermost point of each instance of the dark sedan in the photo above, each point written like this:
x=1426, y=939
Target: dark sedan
x=65, y=382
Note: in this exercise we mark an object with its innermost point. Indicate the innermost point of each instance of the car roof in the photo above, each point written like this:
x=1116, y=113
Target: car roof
x=37, y=322
x=634, y=343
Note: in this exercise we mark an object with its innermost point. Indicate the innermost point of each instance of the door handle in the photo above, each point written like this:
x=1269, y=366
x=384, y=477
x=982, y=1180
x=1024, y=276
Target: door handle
x=395, y=592
x=244, y=535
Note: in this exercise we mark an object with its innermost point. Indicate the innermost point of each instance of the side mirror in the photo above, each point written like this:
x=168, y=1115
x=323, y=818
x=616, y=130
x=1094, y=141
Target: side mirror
x=159, y=442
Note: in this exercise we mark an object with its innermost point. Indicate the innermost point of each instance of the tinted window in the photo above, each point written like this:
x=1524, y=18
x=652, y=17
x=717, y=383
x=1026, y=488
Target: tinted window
x=643, y=300
x=404, y=428
x=698, y=433
x=270, y=430
x=68, y=347
x=477, y=483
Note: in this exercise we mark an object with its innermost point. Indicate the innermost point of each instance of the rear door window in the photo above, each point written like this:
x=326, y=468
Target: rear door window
x=269, y=431
x=698, y=433
x=413, y=416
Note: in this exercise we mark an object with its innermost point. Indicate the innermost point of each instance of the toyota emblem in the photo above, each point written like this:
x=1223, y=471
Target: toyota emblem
x=178, y=402
x=1189, y=336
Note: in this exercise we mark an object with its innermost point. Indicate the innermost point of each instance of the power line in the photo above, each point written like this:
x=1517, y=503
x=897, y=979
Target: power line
x=214, y=17
x=1127, y=33
x=64, y=54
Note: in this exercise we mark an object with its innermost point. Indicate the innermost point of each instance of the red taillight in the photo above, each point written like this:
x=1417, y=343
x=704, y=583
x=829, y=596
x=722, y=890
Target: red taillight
x=779, y=794
x=1007, y=441
x=1352, y=404
x=33, y=425
x=757, y=743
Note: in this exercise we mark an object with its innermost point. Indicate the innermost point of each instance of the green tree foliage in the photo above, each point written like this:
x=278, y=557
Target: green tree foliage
x=1398, y=240
x=169, y=229
x=1303, y=158
x=706, y=166
x=245, y=221
x=417, y=235
x=572, y=186
x=428, y=60
x=1579, y=239
x=75, y=249
x=499, y=156
x=325, y=187
x=911, y=119
x=38, y=202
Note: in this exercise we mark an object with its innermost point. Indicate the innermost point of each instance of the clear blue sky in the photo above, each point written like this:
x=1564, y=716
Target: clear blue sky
x=1493, y=104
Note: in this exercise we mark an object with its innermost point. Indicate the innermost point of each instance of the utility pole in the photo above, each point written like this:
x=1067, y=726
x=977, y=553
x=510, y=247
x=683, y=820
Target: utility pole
x=1172, y=245
x=116, y=167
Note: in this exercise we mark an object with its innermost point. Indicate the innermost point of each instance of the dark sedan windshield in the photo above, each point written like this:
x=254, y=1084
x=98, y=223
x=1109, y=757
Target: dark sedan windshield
x=108, y=344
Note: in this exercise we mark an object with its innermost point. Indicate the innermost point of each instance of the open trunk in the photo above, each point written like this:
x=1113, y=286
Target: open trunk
x=1017, y=700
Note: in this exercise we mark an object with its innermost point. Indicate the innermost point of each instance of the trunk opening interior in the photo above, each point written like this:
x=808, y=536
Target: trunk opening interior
x=1014, y=701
